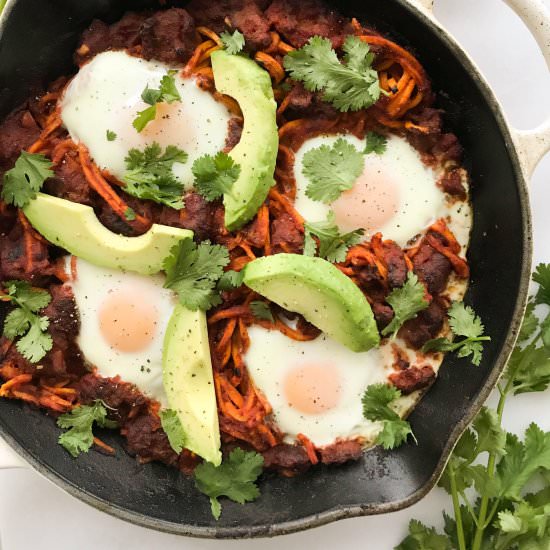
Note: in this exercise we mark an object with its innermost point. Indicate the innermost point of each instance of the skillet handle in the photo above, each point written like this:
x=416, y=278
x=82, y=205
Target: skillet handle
x=8, y=458
x=531, y=145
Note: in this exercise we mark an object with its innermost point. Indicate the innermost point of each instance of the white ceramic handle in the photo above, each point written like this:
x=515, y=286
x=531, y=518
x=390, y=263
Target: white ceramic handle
x=532, y=145
x=8, y=457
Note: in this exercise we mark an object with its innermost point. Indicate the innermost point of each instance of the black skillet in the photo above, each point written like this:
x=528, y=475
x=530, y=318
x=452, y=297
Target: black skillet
x=37, y=39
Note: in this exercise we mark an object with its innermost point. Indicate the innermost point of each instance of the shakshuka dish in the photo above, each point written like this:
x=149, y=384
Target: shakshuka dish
x=237, y=234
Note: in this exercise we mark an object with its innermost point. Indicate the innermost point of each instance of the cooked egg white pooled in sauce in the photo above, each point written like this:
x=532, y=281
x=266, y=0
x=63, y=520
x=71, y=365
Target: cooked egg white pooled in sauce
x=106, y=96
x=123, y=319
x=315, y=387
x=395, y=195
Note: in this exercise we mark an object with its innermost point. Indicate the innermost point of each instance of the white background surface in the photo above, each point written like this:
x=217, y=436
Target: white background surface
x=35, y=514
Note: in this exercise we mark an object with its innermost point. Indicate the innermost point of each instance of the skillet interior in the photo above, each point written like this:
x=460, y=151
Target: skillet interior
x=36, y=46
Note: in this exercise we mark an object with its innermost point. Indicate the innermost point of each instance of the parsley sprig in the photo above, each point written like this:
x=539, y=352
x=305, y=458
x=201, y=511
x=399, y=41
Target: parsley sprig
x=234, y=478
x=193, y=270
x=215, y=176
x=79, y=423
x=167, y=92
x=349, y=85
x=333, y=245
x=26, y=178
x=490, y=471
x=24, y=322
x=377, y=401
x=173, y=428
x=463, y=322
x=332, y=170
x=150, y=175
x=232, y=43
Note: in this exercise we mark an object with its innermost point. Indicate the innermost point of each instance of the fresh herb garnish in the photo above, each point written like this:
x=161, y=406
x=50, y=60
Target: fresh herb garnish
x=376, y=143
x=261, y=310
x=193, y=270
x=166, y=93
x=332, y=170
x=232, y=43
x=129, y=214
x=79, y=423
x=463, y=322
x=26, y=178
x=235, y=478
x=24, y=322
x=230, y=280
x=215, y=176
x=111, y=136
x=351, y=85
x=174, y=430
x=490, y=472
x=376, y=407
x=406, y=302
x=149, y=175
x=333, y=245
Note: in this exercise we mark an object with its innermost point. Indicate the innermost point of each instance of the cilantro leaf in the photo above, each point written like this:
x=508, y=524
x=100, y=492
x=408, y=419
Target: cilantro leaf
x=529, y=368
x=111, y=136
x=235, y=478
x=261, y=310
x=79, y=423
x=421, y=537
x=24, y=321
x=331, y=170
x=230, y=280
x=463, y=322
x=193, y=271
x=542, y=277
x=333, y=246
x=215, y=176
x=166, y=93
x=376, y=143
x=173, y=428
x=150, y=174
x=406, y=302
x=376, y=401
x=351, y=85
x=529, y=324
x=232, y=43
x=26, y=178
x=130, y=214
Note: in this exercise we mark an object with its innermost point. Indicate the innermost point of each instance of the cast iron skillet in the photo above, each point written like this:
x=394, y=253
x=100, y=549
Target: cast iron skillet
x=36, y=44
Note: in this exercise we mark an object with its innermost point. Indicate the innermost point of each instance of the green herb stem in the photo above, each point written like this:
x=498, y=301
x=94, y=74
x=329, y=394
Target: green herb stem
x=457, y=512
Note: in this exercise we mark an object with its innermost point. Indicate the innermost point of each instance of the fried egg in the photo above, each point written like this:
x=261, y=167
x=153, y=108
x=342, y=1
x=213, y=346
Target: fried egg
x=395, y=195
x=123, y=319
x=105, y=95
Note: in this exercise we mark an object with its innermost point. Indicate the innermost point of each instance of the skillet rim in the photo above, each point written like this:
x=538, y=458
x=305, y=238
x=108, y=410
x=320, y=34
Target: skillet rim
x=346, y=511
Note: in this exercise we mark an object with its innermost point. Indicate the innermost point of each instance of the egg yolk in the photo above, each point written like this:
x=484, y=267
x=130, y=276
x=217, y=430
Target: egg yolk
x=370, y=204
x=128, y=322
x=313, y=389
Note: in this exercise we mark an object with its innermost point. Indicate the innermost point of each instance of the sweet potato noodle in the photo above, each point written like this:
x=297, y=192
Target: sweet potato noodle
x=188, y=37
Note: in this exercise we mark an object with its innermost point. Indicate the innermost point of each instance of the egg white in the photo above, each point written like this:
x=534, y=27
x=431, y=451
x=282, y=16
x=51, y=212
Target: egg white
x=106, y=95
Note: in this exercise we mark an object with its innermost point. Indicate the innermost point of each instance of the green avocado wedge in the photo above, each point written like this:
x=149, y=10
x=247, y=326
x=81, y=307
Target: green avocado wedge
x=189, y=383
x=75, y=228
x=320, y=292
x=256, y=153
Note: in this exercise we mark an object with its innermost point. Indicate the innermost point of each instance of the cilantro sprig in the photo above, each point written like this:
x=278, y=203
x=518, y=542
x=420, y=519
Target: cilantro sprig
x=215, y=176
x=377, y=401
x=79, y=424
x=376, y=143
x=173, y=428
x=332, y=170
x=463, y=322
x=235, y=478
x=261, y=310
x=167, y=92
x=333, y=245
x=24, y=322
x=230, y=280
x=149, y=175
x=406, y=302
x=233, y=43
x=349, y=85
x=193, y=270
x=490, y=471
x=26, y=178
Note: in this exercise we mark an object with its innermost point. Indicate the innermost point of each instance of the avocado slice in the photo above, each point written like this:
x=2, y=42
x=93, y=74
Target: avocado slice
x=256, y=153
x=320, y=292
x=189, y=383
x=75, y=228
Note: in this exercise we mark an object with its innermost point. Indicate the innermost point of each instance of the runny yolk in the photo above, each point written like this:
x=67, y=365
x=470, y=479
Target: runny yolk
x=370, y=204
x=128, y=322
x=313, y=389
